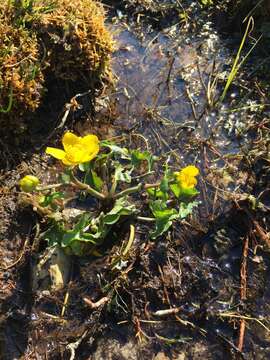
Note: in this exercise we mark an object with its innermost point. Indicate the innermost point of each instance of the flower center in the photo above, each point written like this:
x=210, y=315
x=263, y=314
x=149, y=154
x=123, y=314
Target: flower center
x=75, y=153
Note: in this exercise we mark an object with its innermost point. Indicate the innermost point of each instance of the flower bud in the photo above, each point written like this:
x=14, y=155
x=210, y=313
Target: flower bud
x=29, y=183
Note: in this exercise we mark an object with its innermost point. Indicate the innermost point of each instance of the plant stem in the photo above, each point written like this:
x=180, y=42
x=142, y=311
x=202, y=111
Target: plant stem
x=146, y=219
x=48, y=187
x=113, y=188
x=87, y=188
x=128, y=191
x=136, y=188
x=151, y=186
x=130, y=240
x=143, y=175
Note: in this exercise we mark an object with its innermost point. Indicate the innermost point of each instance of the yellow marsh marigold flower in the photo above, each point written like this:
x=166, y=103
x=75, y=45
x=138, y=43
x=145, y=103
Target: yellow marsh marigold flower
x=77, y=150
x=29, y=183
x=187, y=177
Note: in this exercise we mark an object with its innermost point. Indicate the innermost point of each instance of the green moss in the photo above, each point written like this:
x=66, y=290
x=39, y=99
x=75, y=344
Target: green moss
x=74, y=32
x=61, y=39
x=21, y=79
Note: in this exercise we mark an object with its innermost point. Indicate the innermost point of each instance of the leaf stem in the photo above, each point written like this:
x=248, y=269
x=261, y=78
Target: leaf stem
x=49, y=187
x=87, y=188
x=146, y=219
x=150, y=186
x=113, y=188
x=130, y=240
x=128, y=191
x=135, y=189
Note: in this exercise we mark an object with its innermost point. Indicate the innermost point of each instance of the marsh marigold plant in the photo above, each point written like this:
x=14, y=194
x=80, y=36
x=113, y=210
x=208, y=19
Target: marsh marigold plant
x=77, y=150
x=112, y=180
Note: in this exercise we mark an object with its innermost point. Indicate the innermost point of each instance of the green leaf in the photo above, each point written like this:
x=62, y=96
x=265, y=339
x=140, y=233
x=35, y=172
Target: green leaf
x=121, y=208
x=164, y=217
x=54, y=234
x=77, y=248
x=117, y=150
x=186, y=209
x=137, y=157
x=78, y=241
x=159, y=209
x=48, y=199
x=97, y=181
x=176, y=189
x=84, y=167
x=189, y=192
x=157, y=194
x=88, y=231
x=164, y=185
x=65, y=177
x=76, y=233
x=121, y=174
x=91, y=177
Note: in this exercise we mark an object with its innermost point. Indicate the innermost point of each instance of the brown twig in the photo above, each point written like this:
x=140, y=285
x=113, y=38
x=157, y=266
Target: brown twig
x=164, y=285
x=261, y=233
x=192, y=104
x=243, y=291
x=167, y=312
x=95, y=305
x=243, y=270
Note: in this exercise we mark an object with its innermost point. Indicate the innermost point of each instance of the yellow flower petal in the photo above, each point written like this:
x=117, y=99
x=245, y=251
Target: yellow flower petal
x=69, y=140
x=89, y=140
x=66, y=161
x=190, y=170
x=76, y=149
x=56, y=153
x=90, y=145
x=187, y=177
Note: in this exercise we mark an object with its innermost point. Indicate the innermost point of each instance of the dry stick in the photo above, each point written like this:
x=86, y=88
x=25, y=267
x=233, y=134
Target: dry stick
x=265, y=237
x=193, y=108
x=35, y=244
x=72, y=347
x=164, y=286
x=95, y=305
x=172, y=60
x=261, y=233
x=237, y=316
x=167, y=312
x=65, y=303
x=243, y=291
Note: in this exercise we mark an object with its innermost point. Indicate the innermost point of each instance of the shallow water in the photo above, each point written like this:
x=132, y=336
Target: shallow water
x=161, y=95
x=161, y=90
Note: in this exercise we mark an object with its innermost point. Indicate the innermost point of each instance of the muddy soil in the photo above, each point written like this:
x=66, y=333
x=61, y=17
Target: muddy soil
x=200, y=291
